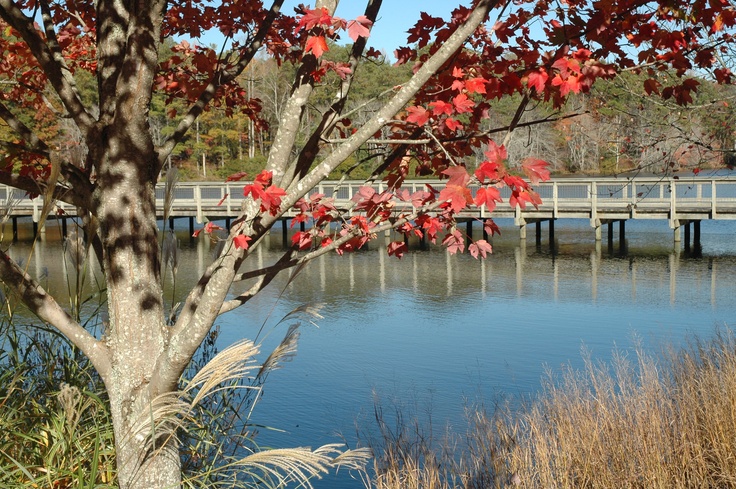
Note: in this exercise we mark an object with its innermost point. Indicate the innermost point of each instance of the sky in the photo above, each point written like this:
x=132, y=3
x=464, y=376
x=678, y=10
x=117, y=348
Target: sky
x=395, y=18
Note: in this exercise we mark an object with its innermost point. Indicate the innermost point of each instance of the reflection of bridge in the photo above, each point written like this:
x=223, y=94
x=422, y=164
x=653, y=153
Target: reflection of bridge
x=603, y=201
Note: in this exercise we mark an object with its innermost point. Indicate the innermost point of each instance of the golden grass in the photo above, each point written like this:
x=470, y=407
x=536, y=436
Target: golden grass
x=640, y=422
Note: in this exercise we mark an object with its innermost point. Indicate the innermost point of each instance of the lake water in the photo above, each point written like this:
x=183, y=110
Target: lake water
x=435, y=332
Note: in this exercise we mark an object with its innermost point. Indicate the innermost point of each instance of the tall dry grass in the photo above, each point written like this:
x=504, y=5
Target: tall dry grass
x=638, y=421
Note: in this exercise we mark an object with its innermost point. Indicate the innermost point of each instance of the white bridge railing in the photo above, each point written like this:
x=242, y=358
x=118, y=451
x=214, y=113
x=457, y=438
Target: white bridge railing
x=594, y=198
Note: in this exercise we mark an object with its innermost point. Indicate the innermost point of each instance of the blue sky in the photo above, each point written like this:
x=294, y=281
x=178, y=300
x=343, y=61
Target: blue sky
x=395, y=18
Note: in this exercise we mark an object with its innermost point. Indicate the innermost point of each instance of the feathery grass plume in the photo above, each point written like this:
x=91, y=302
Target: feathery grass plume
x=170, y=252
x=232, y=363
x=6, y=209
x=312, y=310
x=51, y=438
x=172, y=178
x=75, y=249
x=48, y=194
x=284, y=352
x=282, y=466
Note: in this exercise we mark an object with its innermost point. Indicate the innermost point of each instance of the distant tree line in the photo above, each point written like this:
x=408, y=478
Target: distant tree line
x=617, y=127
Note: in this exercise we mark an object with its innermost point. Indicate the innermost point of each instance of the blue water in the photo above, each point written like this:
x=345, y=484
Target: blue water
x=435, y=333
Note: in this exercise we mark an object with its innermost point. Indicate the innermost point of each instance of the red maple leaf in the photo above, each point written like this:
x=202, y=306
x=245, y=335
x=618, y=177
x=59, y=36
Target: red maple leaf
x=302, y=240
x=313, y=18
x=359, y=27
x=417, y=115
x=430, y=225
x=496, y=153
x=487, y=196
x=458, y=175
x=463, y=104
x=317, y=45
x=236, y=176
x=481, y=247
x=397, y=248
x=264, y=178
x=490, y=227
x=537, y=80
x=364, y=193
x=420, y=198
x=521, y=197
x=454, y=242
x=441, y=107
x=537, y=170
x=452, y=124
x=567, y=84
x=651, y=86
x=458, y=196
x=241, y=241
x=476, y=85
x=271, y=199
x=488, y=170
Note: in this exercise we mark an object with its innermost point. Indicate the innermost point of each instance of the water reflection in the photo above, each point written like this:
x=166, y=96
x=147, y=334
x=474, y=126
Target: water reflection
x=514, y=269
x=450, y=325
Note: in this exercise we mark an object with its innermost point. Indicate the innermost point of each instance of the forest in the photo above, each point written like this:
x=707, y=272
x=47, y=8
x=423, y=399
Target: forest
x=617, y=127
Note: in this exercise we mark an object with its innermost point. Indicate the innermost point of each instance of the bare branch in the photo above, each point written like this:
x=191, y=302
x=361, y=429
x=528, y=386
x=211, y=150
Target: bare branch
x=47, y=309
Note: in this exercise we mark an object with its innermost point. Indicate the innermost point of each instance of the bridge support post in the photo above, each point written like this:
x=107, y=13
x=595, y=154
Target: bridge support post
x=551, y=233
x=538, y=233
x=63, y=228
x=171, y=223
x=469, y=229
x=687, y=237
x=284, y=232
x=191, y=228
x=15, y=229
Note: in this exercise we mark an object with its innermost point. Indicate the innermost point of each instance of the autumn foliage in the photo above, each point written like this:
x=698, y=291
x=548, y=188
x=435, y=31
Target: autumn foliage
x=536, y=50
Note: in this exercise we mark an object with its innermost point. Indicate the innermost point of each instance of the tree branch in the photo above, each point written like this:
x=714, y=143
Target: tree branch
x=206, y=299
x=47, y=309
x=112, y=33
x=331, y=116
x=397, y=102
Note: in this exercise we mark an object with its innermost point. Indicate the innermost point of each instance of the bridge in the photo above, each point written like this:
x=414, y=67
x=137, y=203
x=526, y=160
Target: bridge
x=683, y=202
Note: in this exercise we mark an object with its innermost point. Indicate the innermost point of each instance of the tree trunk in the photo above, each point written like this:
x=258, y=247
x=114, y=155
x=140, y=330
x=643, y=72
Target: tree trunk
x=137, y=333
x=142, y=463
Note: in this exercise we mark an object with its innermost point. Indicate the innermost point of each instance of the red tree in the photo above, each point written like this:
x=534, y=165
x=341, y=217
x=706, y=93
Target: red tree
x=538, y=50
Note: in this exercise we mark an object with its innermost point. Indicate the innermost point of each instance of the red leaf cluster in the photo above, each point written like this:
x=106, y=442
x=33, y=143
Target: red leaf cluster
x=269, y=195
